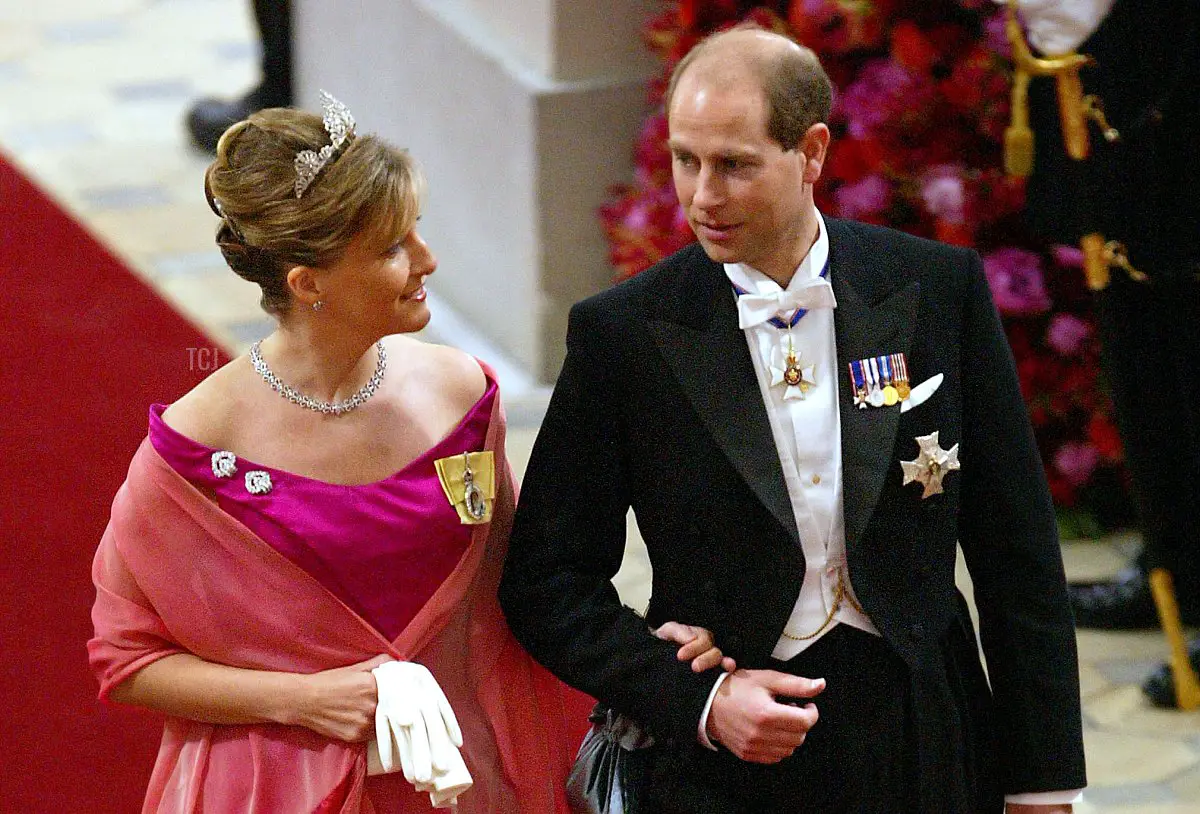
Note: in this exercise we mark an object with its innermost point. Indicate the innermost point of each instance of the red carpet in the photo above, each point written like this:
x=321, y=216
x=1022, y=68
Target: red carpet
x=85, y=349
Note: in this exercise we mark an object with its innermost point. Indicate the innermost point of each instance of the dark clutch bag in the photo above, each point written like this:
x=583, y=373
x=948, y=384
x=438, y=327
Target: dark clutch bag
x=610, y=772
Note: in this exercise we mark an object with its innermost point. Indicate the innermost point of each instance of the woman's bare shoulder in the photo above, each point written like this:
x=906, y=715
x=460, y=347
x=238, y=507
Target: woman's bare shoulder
x=456, y=375
x=205, y=413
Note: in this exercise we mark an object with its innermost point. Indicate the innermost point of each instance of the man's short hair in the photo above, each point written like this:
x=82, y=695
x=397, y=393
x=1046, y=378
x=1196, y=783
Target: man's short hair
x=797, y=89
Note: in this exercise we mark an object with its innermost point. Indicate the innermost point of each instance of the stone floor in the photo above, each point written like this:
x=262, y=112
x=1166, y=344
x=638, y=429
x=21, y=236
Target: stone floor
x=92, y=97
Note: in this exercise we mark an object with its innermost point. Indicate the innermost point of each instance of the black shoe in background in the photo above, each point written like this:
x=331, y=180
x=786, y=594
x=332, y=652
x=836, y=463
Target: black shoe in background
x=209, y=118
x=1160, y=686
x=1123, y=603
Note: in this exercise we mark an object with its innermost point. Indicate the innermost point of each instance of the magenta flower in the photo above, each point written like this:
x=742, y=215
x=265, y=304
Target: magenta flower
x=869, y=196
x=1066, y=333
x=638, y=216
x=650, y=151
x=884, y=94
x=1015, y=277
x=943, y=192
x=1076, y=461
x=994, y=35
x=1070, y=257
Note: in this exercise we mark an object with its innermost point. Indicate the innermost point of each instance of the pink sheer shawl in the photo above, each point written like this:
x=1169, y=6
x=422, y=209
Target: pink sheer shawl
x=173, y=574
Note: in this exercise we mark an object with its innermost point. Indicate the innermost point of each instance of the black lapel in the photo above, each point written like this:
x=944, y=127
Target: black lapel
x=697, y=333
x=876, y=315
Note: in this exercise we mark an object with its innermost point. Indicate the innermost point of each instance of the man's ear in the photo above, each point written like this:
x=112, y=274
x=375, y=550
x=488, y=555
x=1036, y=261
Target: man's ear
x=814, y=144
x=305, y=285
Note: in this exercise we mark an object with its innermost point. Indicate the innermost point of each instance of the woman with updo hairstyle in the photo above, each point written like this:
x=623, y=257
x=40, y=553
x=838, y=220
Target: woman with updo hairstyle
x=301, y=568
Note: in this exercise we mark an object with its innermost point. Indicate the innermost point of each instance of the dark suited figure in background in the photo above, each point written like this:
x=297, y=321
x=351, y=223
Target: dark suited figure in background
x=1144, y=191
x=749, y=397
x=209, y=118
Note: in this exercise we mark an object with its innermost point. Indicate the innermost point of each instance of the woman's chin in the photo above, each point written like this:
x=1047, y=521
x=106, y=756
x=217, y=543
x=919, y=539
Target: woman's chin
x=413, y=320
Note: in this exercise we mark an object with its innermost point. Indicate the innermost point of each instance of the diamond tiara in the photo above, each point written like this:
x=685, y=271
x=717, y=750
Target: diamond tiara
x=340, y=126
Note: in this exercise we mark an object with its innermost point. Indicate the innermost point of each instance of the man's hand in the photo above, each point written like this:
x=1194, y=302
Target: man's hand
x=698, y=647
x=747, y=719
x=1024, y=808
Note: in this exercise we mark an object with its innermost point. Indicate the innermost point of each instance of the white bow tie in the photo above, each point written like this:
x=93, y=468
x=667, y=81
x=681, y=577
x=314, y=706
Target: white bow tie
x=755, y=309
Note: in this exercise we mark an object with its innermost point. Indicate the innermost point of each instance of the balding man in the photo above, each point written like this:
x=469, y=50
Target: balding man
x=806, y=415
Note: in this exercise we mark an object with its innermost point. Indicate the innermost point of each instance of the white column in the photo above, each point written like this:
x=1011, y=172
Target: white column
x=522, y=113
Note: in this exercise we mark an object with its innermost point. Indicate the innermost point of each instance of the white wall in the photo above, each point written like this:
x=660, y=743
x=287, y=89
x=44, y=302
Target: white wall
x=522, y=113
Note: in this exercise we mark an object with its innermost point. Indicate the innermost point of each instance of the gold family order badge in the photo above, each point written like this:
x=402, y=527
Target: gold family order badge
x=469, y=482
x=794, y=375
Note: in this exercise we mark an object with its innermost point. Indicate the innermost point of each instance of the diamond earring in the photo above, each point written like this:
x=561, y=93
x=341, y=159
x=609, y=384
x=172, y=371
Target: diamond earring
x=318, y=305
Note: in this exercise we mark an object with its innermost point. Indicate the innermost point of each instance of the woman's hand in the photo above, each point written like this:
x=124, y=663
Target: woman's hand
x=340, y=703
x=698, y=647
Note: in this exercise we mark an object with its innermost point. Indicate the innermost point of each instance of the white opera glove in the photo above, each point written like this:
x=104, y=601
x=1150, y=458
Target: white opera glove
x=415, y=726
x=449, y=781
x=401, y=738
x=450, y=775
x=1060, y=26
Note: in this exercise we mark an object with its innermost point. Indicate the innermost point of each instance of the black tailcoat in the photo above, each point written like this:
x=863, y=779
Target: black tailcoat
x=657, y=408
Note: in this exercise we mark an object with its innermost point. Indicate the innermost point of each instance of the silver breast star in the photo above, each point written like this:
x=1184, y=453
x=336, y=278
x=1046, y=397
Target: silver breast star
x=931, y=465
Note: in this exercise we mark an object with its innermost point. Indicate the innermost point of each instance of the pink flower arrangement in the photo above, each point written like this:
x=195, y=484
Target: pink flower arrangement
x=842, y=25
x=1015, y=277
x=865, y=199
x=944, y=193
x=995, y=37
x=1067, y=333
x=884, y=95
x=920, y=105
x=1067, y=256
x=1076, y=461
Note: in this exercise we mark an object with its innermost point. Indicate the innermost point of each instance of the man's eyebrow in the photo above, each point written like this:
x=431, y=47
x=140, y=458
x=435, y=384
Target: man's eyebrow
x=733, y=153
x=739, y=155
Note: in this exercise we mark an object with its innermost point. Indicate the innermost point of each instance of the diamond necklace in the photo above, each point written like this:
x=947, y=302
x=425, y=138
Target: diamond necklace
x=327, y=407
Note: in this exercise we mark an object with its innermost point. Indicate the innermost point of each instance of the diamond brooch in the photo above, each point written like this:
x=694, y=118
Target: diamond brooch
x=224, y=464
x=258, y=482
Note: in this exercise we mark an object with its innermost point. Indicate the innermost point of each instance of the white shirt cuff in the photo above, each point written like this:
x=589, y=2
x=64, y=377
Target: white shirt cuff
x=1046, y=798
x=701, y=733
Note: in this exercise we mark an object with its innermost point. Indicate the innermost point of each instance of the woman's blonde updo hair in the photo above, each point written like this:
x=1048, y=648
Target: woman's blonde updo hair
x=367, y=187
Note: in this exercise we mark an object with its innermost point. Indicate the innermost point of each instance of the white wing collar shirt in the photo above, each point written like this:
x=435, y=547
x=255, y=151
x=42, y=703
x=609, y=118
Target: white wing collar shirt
x=806, y=425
